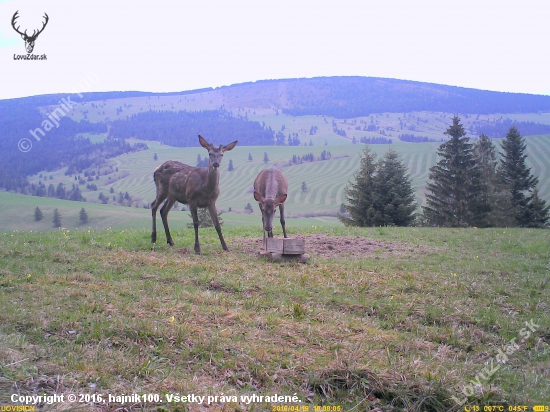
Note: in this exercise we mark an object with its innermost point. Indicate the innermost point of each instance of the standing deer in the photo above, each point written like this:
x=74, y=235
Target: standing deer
x=194, y=186
x=270, y=191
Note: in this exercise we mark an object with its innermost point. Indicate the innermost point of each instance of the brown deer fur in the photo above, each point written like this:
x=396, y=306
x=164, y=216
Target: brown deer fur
x=194, y=186
x=270, y=191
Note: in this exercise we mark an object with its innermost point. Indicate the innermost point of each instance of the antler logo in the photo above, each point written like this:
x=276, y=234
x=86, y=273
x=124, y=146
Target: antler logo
x=29, y=40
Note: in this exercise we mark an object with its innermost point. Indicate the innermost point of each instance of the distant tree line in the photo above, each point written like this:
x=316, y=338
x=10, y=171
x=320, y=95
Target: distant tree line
x=411, y=138
x=349, y=97
x=499, y=128
x=181, y=128
x=376, y=140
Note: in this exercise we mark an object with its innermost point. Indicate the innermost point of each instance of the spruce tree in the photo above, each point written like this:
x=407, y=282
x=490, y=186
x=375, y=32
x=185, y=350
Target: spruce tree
x=266, y=157
x=453, y=197
x=494, y=194
x=56, y=218
x=517, y=176
x=360, y=195
x=205, y=220
x=38, y=215
x=538, y=212
x=83, y=216
x=394, y=199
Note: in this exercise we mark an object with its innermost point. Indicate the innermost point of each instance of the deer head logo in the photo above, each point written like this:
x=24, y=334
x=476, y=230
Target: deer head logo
x=29, y=40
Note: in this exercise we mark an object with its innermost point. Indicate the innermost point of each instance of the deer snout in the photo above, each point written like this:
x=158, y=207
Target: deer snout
x=268, y=228
x=215, y=165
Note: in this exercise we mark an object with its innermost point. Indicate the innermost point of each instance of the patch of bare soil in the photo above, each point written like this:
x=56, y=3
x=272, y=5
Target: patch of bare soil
x=329, y=247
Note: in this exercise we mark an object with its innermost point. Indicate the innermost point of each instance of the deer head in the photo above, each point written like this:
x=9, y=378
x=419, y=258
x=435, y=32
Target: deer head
x=215, y=153
x=268, y=208
x=29, y=40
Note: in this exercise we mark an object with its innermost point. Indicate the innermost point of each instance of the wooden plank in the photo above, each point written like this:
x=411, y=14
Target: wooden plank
x=277, y=257
x=293, y=246
x=274, y=245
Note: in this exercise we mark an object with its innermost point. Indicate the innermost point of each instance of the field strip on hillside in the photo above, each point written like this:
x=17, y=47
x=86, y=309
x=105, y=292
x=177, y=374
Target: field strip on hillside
x=324, y=174
x=539, y=168
x=541, y=151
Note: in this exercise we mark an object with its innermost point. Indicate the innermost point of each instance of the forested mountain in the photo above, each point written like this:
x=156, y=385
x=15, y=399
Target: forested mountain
x=52, y=99
x=61, y=146
x=348, y=97
x=182, y=128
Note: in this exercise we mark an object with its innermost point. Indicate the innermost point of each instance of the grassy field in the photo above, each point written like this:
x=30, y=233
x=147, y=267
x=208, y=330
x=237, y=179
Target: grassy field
x=420, y=319
x=18, y=214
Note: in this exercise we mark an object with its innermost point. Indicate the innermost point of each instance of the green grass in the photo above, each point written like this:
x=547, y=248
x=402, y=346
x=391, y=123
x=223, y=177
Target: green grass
x=18, y=214
x=100, y=312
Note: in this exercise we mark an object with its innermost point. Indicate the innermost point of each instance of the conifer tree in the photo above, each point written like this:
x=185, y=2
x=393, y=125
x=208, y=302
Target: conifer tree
x=266, y=157
x=538, y=212
x=38, y=215
x=360, y=195
x=494, y=194
x=56, y=218
x=230, y=168
x=83, y=216
x=394, y=200
x=454, y=192
x=205, y=220
x=517, y=176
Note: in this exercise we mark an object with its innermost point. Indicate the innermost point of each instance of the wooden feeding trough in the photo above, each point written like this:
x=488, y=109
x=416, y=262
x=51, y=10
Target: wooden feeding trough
x=283, y=250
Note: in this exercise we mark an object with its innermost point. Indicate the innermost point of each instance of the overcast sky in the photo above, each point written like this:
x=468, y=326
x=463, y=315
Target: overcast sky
x=165, y=46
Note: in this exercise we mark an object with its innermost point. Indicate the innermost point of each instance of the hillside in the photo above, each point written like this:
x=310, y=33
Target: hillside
x=94, y=148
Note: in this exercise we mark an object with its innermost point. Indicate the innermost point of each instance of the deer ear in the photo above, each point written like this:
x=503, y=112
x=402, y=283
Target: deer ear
x=258, y=197
x=282, y=199
x=230, y=146
x=204, y=143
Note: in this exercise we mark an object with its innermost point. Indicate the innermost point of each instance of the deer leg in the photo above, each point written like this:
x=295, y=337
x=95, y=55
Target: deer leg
x=154, y=231
x=214, y=216
x=164, y=214
x=282, y=213
x=263, y=230
x=161, y=195
x=195, y=216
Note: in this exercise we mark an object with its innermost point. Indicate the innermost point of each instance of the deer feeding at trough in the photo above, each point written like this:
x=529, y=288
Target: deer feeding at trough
x=270, y=191
x=194, y=186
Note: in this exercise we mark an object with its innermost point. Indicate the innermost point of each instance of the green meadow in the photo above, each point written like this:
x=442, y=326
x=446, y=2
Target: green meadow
x=422, y=319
